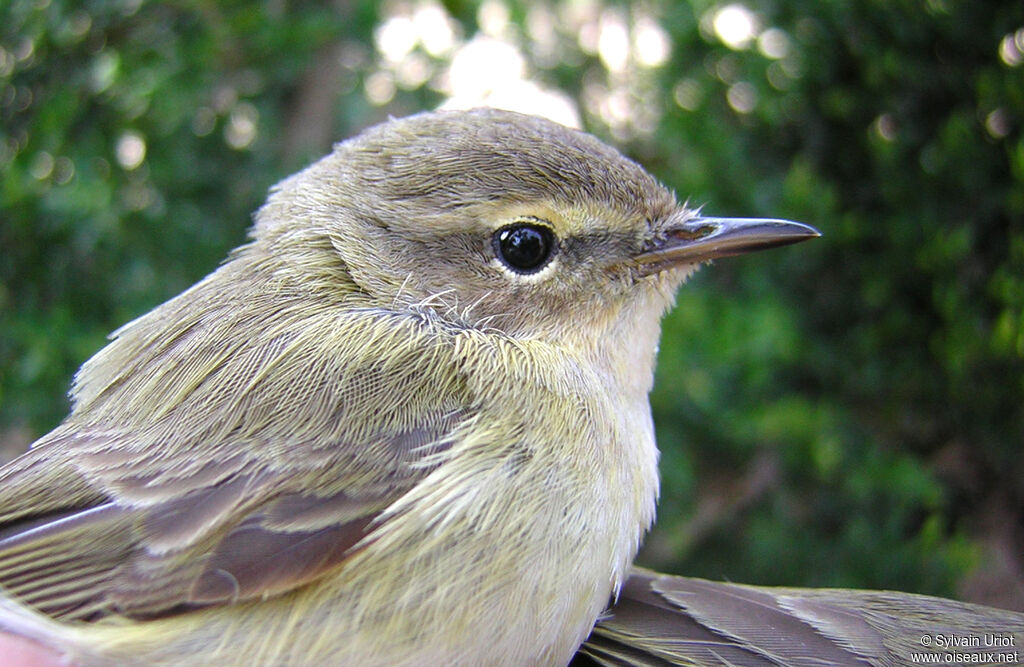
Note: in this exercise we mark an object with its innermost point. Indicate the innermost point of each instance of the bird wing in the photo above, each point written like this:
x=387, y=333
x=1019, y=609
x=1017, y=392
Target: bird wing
x=667, y=620
x=269, y=471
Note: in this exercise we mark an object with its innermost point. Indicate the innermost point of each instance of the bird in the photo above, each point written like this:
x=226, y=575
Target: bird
x=407, y=422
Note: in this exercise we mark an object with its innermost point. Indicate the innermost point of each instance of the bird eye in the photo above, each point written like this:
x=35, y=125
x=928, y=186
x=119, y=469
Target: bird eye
x=524, y=247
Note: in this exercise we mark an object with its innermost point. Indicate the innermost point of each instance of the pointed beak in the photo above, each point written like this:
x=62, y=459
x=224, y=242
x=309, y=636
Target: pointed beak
x=701, y=239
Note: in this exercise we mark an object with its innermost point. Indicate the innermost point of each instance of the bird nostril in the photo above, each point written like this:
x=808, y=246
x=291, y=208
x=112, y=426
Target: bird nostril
x=692, y=234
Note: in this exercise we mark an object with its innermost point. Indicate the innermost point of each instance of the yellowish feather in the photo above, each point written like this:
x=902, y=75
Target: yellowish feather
x=406, y=424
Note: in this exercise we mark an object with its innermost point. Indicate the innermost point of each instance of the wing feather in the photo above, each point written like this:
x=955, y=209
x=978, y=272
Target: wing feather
x=667, y=620
x=269, y=469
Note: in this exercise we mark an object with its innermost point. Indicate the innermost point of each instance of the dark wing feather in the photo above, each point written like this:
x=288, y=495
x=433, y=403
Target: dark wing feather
x=645, y=628
x=247, y=536
x=253, y=561
x=666, y=620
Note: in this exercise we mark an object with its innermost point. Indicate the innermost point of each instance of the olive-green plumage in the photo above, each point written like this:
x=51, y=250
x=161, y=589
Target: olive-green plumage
x=407, y=423
x=365, y=438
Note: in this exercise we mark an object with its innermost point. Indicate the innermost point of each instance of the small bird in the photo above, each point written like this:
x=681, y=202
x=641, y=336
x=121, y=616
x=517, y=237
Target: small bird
x=406, y=423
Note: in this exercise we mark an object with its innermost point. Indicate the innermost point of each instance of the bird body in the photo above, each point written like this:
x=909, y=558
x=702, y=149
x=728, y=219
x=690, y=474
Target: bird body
x=514, y=507
x=368, y=436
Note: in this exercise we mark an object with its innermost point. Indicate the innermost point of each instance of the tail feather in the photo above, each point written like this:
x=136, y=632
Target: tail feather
x=667, y=620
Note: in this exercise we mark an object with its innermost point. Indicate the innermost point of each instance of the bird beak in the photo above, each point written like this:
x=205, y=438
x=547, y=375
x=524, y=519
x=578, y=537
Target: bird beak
x=701, y=239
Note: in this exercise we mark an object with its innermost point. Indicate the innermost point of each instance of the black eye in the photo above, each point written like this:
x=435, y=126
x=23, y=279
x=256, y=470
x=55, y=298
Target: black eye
x=524, y=247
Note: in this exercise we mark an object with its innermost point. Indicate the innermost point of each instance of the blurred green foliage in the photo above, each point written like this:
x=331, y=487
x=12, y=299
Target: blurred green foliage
x=847, y=412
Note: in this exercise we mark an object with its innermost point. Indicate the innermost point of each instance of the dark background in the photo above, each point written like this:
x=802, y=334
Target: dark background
x=846, y=412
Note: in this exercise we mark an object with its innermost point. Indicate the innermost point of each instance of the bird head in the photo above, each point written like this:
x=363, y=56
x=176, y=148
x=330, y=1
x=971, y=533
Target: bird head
x=497, y=220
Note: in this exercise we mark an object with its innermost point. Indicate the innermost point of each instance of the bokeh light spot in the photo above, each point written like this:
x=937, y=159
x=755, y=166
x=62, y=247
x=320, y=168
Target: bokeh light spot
x=613, y=41
x=130, y=150
x=242, y=127
x=380, y=88
x=885, y=127
x=1011, y=48
x=998, y=123
x=742, y=97
x=42, y=166
x=735, y=25
x=651, y=43
x=396, y=37
x=773, y=43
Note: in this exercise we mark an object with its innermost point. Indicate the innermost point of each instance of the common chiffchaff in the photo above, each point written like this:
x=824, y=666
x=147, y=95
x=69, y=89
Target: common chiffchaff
x=407, y=423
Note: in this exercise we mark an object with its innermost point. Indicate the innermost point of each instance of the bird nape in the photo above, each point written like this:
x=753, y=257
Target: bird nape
x=408, y=423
